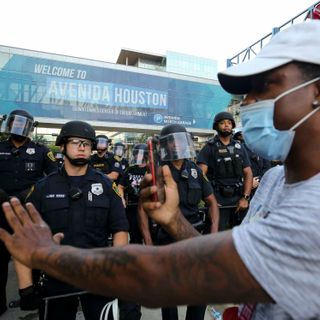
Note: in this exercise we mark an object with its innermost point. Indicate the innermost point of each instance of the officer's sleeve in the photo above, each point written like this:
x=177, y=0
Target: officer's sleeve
x=49, y=161
x=124, y=179
x=204, y=155
x=205, y=185
x=246, y=161
x=117, y=215
x=34, y=195
x=116, y=167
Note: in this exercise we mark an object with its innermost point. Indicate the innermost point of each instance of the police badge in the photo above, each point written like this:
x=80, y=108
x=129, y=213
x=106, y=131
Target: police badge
x=194, y=173
x=31, y=151
x=97, y=189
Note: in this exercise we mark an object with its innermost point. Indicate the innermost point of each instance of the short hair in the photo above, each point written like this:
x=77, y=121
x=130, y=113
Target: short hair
x=309, y=70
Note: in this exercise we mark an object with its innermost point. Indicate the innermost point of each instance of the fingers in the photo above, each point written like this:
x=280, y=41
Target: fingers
x=58, y=237
x=4, y=235
x=169, y=182
x=19, y=211
x=11, y=217
x=146, y=181
x=34, y=214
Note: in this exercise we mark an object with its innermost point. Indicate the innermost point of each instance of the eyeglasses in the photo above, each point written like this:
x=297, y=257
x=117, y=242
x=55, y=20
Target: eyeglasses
x=80, y=143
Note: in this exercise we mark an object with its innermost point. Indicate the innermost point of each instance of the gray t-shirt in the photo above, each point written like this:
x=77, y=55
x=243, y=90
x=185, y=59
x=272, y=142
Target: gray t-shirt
x=279, y=242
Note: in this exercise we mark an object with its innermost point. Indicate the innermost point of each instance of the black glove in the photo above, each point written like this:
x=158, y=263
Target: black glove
x=29, y=298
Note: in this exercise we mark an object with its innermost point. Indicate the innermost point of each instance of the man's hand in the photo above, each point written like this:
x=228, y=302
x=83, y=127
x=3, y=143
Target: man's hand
x=163, y=213
x=30, y=232
x=167, y=214
x=243, y=204
x=255, y=182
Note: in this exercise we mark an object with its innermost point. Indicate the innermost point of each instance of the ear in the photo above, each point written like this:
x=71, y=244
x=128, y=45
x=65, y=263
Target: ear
x=62, y=148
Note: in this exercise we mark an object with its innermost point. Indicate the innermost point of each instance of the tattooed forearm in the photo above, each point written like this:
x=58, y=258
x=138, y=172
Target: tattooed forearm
x=182, y=229
x=196, y=271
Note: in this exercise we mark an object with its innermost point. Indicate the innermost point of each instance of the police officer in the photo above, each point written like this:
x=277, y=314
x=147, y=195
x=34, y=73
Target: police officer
x=85, y=206
x=104, y=160
x=22, y=163
x=129, y=186
x=258, y=165
x=119, y=150
x=176, y=150
x=227, y=166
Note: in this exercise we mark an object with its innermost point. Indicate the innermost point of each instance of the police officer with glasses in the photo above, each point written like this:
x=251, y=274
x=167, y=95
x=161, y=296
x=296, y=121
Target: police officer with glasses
x=84, y=206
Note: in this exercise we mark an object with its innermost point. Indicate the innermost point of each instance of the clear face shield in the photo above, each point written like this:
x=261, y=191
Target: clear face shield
x=102, y=143
x=177, y=146
x=139, y=157
x=118, y=151
x=19, y=125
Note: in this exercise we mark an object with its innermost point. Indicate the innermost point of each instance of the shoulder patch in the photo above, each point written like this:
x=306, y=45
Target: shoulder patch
x=115, y=189
x=51, y=156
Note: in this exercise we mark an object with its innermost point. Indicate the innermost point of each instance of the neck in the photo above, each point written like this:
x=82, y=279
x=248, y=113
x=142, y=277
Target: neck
x=178, y=163
x=74, y=171
x=225, y=140
x=18, y=144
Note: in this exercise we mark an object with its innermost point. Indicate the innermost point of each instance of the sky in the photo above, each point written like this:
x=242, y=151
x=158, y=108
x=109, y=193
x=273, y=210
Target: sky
x=98, y=29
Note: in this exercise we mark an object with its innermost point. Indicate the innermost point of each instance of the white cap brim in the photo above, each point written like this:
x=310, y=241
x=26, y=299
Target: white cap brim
x=237, y=79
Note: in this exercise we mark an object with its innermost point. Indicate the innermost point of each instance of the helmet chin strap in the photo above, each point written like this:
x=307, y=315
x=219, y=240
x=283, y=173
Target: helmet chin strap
x=78, y=162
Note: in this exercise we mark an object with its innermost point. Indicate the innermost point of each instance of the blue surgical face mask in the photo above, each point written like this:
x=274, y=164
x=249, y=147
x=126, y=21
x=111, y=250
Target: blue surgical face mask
x=259, y=132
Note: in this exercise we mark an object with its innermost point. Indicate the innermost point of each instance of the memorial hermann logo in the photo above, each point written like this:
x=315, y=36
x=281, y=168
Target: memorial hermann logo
x=158, y=118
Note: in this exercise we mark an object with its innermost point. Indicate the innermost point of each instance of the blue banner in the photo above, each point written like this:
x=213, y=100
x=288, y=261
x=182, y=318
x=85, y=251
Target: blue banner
x=87, y=90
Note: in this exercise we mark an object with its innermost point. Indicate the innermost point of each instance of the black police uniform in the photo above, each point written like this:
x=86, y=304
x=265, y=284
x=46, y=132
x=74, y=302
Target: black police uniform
x=192, y=187
x=258, y=165
x=131, y=180
x=106, y=164
x=85, y=209
x=225, y=171
x=20, y=168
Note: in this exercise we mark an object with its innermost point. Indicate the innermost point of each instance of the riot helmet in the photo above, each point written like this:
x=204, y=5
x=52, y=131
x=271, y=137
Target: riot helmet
x=223, y=116
x=176, y=143
x=102, y=142
x=79, y=129
x=139, y=154
x=119, y=149
x=19, y=124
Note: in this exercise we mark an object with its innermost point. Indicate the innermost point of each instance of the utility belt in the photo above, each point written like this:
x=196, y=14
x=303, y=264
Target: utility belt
x=228, y=191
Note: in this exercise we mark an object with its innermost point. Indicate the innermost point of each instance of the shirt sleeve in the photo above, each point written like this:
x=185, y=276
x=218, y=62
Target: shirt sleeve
x=117, y=217
x=281, y=250
x=49, y=161
x=246, y=161
x=206, y=186
x=204, y=155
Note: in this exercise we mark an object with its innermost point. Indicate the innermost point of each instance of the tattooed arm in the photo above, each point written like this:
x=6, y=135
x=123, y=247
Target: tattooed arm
x=197, y=271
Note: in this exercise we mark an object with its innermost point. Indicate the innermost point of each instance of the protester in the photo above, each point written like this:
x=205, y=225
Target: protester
x=271, y=261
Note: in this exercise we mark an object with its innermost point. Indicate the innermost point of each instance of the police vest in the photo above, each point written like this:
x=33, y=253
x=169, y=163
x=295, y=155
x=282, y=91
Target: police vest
x=227, y=162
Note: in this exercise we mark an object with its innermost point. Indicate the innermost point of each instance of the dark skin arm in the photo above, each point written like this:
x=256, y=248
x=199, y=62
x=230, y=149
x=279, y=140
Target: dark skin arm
x=143, y=222
x=197, y=271
x=213, y=212
x=243, y=204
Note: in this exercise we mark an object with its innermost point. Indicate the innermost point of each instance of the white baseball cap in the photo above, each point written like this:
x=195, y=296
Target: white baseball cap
x=299, y=42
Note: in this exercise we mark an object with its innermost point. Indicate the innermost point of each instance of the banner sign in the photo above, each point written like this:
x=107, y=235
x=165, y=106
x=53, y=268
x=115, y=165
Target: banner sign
x=91, y=91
